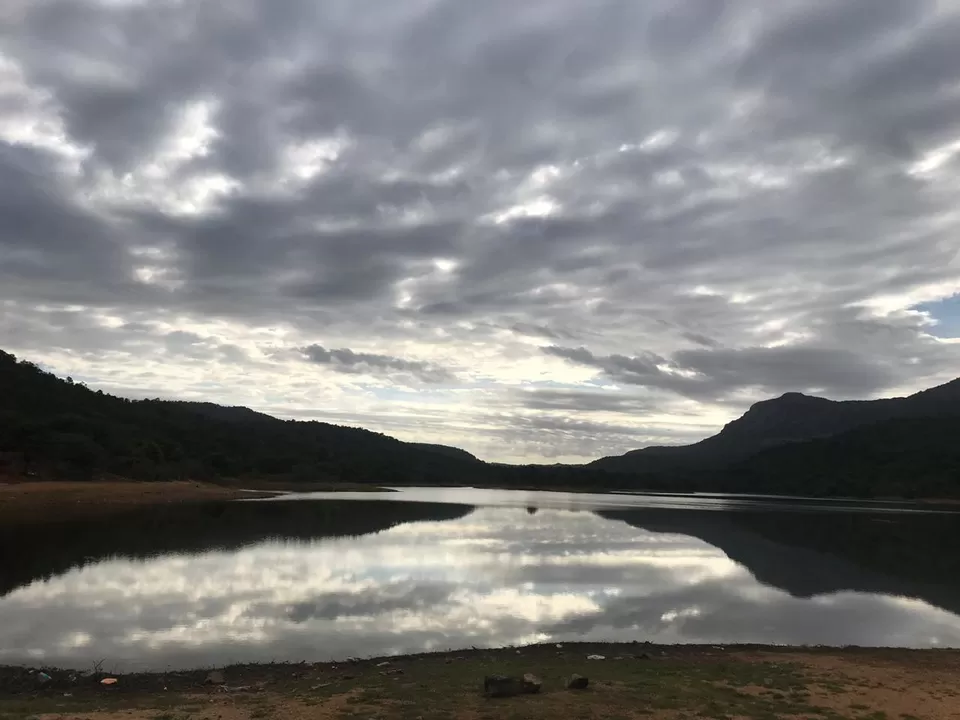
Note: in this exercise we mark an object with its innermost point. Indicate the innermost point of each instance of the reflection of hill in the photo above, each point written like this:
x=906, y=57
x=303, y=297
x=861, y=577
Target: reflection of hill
x=808, y=554
x=33, y=552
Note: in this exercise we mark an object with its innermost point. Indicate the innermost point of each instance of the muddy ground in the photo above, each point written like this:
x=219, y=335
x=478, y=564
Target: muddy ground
x=28, y=501
x=632, y=681
x=22, y=502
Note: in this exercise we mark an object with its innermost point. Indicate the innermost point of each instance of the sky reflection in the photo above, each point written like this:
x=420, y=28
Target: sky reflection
x=498, y=576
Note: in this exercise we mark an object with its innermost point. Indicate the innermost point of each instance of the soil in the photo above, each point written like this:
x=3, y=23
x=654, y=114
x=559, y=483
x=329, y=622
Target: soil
x=25, y=502
x=632, y=681
x=30, y=501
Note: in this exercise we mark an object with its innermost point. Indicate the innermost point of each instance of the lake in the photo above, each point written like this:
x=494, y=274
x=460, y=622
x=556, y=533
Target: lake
x=330, y=576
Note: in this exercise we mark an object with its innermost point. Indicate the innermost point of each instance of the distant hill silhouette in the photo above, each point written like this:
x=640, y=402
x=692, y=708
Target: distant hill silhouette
x=230, y=413
x=790, y=418
x=794, y=444
x=447, y=450
x=53, y=427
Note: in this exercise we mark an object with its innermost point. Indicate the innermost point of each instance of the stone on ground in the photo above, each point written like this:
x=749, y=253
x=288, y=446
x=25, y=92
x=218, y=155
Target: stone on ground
x=531, y=683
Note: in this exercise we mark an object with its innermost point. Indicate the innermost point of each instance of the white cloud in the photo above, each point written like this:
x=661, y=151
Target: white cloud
x=461, y=184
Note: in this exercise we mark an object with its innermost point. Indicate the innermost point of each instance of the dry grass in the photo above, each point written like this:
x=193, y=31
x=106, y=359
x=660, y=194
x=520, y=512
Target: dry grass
x=26, y=502
x=673, y=683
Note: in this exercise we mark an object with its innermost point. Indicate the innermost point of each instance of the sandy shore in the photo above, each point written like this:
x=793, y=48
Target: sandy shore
x=632, y=681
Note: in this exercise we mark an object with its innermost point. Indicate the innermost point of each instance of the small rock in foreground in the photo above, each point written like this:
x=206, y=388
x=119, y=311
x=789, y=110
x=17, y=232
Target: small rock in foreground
x=577, y=682
x=499, y=686
x=215, y=677
x=531, y=683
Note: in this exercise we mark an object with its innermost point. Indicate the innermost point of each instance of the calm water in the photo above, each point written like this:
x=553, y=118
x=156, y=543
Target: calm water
x=317, y=577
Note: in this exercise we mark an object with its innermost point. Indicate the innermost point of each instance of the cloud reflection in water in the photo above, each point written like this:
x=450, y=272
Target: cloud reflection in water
x=495, y=577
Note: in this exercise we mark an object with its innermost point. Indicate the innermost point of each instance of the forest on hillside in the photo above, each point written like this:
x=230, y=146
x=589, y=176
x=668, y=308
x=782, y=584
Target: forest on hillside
x=55, y=427
x=52, y=427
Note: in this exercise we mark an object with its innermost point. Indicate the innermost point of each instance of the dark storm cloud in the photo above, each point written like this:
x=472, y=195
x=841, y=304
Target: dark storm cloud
x=711, y=374
x=47, y=236
x=586, y=400
x=732, y=176
x=345, y=360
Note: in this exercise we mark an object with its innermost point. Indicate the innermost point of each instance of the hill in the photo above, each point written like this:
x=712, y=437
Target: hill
x=447, y=450
x=791, y=418
x=55, y=427
x=794, y=444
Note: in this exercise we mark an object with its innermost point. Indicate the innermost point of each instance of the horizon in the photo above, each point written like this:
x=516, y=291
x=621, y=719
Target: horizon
x=543, y=233
x=429, y=442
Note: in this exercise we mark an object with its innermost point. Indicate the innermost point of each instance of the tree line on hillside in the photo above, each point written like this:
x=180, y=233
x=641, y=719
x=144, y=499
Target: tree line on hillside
x=53, y=427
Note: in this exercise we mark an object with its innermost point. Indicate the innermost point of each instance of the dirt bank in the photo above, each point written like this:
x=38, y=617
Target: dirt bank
x=27, y=502
x=30, y=501
x=633, y=681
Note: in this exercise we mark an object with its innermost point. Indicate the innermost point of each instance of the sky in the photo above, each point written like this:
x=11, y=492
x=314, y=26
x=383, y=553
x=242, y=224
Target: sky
x=543, y=231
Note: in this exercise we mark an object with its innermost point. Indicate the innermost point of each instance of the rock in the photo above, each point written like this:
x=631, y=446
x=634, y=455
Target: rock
x=577, y=682
x=531, y=683
x=215, y=677
x=499, y=686
x=596, y=657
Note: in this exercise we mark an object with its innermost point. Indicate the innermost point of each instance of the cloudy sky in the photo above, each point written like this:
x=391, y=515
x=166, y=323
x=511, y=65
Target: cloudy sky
x=544, y=231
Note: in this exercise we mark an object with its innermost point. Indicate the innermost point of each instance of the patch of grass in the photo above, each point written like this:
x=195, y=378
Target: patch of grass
x=620, y=688
x=680, y=684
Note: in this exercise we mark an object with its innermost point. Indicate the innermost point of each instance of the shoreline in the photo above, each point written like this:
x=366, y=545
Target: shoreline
x=633, y=680
x=28, y=501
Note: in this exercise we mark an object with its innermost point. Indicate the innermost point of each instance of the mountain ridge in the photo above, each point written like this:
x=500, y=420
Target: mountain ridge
x=791, y=417
x=794, y=444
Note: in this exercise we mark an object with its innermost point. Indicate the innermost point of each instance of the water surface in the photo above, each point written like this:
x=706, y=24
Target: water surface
x=324, y=576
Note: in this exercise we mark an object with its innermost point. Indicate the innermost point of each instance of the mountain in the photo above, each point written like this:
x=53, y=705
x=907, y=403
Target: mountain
x=447, y=450
x=790, y=418
x=230, y=413
x=794, y=444
x=903, y=457
x=54, y=427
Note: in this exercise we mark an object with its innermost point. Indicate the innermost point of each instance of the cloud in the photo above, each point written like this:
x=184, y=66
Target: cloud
x=345, y=360
x=712, y=374
x=715, y=203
